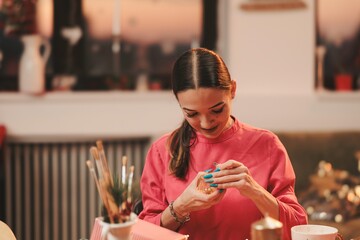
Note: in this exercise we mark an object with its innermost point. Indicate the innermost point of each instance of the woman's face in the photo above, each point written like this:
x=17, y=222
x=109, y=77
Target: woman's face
x=207, y=110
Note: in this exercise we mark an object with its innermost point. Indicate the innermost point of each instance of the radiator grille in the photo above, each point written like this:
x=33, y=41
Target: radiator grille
x=49, y=191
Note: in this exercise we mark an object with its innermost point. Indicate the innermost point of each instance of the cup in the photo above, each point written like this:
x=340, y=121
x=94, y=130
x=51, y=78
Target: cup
x=314, y=232
x=118, y=231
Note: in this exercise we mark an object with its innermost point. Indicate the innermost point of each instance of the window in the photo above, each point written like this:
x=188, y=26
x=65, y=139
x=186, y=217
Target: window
x=338, y=45
x=88, y=53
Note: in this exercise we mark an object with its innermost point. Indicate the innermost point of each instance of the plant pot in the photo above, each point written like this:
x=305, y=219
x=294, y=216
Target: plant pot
x=118, y=231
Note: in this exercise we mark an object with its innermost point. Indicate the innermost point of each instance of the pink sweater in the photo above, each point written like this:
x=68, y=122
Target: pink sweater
x=258, y=149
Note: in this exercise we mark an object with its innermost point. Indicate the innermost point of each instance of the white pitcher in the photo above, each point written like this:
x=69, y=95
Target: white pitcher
x=32, y=64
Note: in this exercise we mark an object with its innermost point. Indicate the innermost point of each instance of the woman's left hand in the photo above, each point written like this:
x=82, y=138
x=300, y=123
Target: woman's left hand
x=234, y=174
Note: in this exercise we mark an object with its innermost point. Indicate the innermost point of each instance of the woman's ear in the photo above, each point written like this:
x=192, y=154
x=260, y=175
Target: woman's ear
x=233, y=89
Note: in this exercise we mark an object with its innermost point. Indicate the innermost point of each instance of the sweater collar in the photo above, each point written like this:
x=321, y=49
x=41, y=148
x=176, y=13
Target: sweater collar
x=228, y=133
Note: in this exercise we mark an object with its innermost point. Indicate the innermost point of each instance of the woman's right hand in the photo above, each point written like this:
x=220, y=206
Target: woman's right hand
x=193, y=200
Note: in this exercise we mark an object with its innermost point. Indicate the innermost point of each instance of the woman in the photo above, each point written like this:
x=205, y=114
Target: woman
x=248, y=168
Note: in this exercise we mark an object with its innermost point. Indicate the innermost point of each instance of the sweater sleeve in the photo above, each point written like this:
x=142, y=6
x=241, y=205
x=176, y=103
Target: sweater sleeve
x=282, y=184
x=153, y=193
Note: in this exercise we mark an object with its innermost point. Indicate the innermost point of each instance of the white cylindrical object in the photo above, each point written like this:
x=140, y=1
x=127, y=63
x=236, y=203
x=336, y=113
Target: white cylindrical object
x=32, y=66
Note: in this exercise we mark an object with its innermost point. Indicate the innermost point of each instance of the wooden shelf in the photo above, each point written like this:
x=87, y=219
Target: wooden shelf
x=66, y=96
x=266, y=5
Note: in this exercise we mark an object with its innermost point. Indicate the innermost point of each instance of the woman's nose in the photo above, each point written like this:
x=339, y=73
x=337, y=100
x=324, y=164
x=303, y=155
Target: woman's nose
x=206, y=122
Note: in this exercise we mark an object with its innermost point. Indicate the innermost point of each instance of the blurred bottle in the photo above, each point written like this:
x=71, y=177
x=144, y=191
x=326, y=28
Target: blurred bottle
x=68, y=43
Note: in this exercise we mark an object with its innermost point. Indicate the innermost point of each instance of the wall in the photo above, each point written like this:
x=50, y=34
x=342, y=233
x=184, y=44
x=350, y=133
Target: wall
x=270, y=54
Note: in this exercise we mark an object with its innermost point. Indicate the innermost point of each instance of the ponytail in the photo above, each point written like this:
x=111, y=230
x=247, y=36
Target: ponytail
x=179, y=146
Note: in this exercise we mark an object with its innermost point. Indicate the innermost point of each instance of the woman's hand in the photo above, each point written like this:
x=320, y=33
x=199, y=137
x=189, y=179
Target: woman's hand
x=190, y=200
x=193, y=200
x=233, y=174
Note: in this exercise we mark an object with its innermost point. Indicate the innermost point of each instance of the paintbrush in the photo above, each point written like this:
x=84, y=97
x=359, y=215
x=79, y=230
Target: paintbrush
x=108, y=201
x=123, y=170
x=95, y=154
x=93, y=174
x=104, y=164
x=130, y=182
x=101, y=189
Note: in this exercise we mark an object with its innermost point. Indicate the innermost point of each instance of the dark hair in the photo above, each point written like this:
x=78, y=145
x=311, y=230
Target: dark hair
x=196, y=68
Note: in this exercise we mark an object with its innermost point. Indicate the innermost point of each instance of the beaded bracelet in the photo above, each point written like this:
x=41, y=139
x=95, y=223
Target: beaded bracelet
x=173, y=214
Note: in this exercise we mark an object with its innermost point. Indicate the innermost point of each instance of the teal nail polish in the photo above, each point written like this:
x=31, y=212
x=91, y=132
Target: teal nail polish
x=217, y=170
x=209, y=180
x=208, y=170
x=208, y=176
x=221, y=190
x=213, y=185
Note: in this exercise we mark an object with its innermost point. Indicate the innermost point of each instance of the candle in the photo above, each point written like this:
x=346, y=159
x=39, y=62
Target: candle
x=357, y=155
x=116, y=18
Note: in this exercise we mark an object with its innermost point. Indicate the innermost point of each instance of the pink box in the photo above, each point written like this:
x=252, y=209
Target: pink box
x=142, y=230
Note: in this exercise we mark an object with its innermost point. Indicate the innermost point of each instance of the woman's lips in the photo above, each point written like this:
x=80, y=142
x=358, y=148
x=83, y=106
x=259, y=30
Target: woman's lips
x=210, y=130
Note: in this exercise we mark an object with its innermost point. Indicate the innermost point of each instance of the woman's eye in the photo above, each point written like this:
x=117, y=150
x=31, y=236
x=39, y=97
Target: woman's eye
x=190, y=115
x=218, y=110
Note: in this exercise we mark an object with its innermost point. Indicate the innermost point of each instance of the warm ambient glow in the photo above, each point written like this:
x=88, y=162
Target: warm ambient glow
x=339, y=21
x=44, y=17
x=142, y=21
x=146, y=21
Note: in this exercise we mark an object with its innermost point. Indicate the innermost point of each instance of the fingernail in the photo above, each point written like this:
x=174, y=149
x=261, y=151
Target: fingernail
x=209, y=180
x=221, y=190
x=213, y=185
x=208, y=176
x=217, y=170
x=208, y=170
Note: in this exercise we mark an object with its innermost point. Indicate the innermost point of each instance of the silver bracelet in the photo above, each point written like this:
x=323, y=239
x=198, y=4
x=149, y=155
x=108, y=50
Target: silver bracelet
x=176, y=218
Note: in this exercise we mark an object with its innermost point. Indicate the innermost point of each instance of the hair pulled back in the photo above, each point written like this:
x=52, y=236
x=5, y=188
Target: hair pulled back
x=196, y=68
